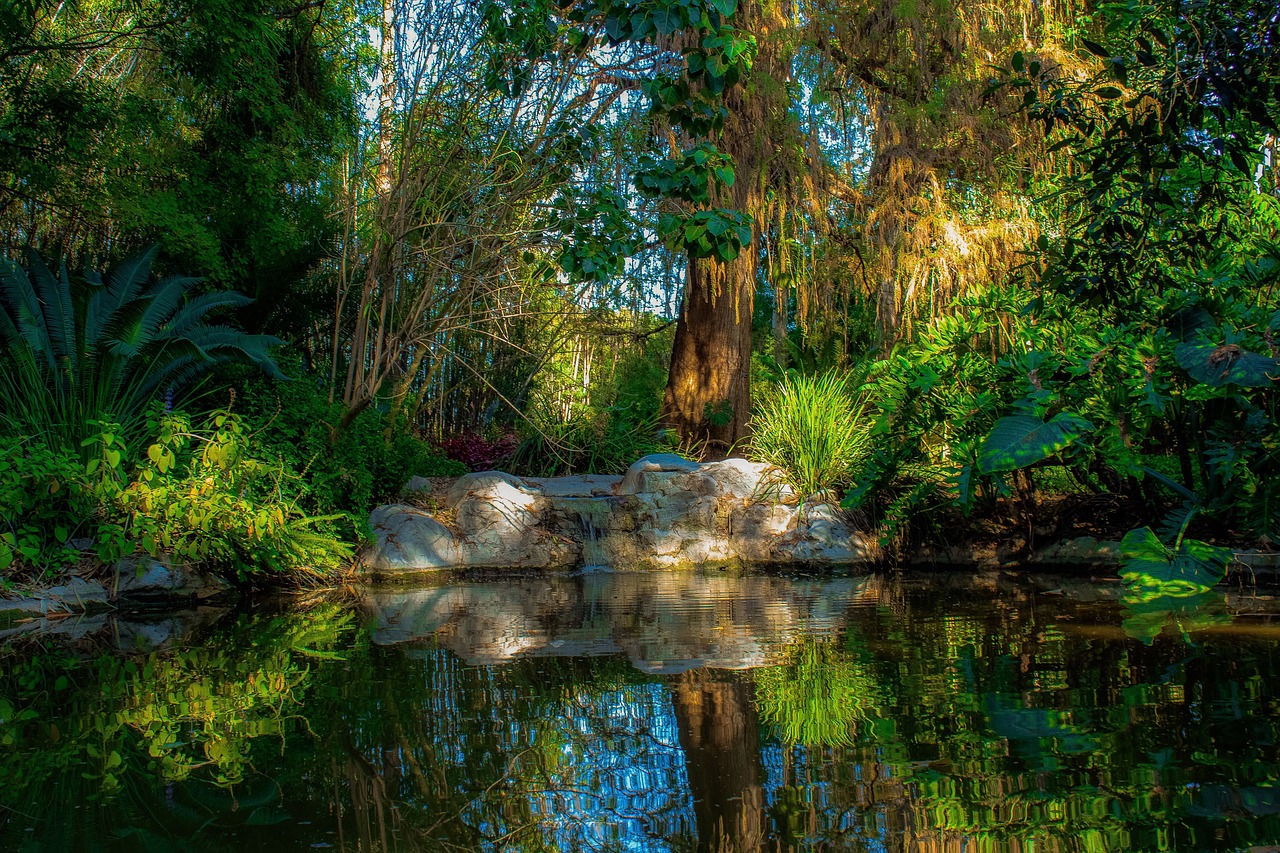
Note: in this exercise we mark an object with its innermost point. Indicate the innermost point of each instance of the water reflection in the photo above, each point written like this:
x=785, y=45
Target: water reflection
x=664, y=713
x=664, y=623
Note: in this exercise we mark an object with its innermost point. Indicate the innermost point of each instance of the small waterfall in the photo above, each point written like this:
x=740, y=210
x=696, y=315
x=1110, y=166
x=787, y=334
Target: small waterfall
x=593, y=525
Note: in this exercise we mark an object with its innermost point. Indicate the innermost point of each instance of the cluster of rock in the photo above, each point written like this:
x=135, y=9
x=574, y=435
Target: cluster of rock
x=665, y=512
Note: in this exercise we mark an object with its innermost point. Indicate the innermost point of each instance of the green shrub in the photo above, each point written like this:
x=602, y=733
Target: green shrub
x=89, y=348
x=347, y=470
x=811, y=429
x=200, y=496
x=43, y=504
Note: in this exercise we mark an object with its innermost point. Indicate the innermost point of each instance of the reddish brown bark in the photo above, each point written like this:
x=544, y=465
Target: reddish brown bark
x=708, y=396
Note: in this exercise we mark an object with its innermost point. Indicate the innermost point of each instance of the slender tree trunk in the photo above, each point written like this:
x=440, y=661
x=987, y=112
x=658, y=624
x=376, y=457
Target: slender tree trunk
x=360, y=387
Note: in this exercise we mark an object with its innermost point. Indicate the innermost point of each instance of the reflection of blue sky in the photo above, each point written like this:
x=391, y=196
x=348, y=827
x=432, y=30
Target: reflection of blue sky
x=832, y=790
x=626, y=773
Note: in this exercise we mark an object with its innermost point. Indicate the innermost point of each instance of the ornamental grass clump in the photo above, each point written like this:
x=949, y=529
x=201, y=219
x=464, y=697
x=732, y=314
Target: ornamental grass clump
x=811, y=429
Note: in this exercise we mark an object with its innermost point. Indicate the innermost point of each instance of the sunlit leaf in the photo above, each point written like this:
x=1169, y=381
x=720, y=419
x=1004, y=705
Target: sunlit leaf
x=1146, y=562
x=1017, y=441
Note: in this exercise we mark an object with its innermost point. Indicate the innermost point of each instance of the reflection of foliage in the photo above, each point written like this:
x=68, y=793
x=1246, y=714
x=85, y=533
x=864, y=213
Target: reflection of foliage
x=1148, y=613
x=953, y=719
x=818, y=695
x=192, y=712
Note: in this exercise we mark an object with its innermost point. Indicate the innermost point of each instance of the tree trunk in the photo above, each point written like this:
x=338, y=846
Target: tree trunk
x=360, y=386
x=708, y=396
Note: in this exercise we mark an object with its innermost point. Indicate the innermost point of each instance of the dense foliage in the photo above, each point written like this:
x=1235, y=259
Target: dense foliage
x=195, y=496
x=1040, y=245
x=106, y=346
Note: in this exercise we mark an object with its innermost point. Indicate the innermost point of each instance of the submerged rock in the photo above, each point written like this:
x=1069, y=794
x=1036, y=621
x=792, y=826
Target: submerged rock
x=665, y=512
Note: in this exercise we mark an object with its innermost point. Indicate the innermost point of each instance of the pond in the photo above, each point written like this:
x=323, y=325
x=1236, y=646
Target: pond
x=655, y=712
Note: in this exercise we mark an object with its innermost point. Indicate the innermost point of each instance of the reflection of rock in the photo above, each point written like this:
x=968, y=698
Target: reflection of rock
x=137, y=631
x=663, y=621
x=665, y=512
x=137, y=581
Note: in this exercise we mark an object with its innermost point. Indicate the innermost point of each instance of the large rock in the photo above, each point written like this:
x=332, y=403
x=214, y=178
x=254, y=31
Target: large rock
x=580, y=486
x=665, y=512
x=496, y=522
x=640, y=477
x=148, y=578
x=410, y=538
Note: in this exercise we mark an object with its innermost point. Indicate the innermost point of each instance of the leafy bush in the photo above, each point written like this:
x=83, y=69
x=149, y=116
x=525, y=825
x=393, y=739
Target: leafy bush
x=348, y=470
x=200, y=496
x=43, y=500
x=811, y=429
x=1188, y=568
x=1172, y=408
x=78, y=350
x=203, y=498
x=603, y=438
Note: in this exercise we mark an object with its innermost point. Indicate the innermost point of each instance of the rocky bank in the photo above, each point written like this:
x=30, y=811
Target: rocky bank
x=665, y=512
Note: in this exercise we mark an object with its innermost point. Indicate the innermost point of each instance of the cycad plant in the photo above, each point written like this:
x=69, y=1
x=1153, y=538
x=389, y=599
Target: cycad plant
x=811, y=429
x=80, y=349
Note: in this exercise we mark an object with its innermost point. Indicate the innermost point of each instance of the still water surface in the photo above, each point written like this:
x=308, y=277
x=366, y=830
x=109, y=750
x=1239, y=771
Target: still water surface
x=656, y=712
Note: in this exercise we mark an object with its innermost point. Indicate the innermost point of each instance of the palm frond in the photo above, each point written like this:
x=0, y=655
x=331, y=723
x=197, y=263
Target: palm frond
x=165, y=300
x=59, y=315
x=76, y=352
x=28, y=315
x=195, y=310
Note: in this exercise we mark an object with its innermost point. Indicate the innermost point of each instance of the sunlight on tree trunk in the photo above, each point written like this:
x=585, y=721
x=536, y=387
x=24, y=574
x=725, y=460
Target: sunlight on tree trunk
x=708, y=396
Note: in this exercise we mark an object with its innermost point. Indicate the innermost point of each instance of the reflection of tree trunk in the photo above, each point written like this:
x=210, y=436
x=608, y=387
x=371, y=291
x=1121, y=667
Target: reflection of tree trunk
x=719, y=732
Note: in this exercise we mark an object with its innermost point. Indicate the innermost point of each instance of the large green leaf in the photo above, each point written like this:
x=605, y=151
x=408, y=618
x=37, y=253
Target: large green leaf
x=1017, y=441
x=1227, y=364
x=1147, y=563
